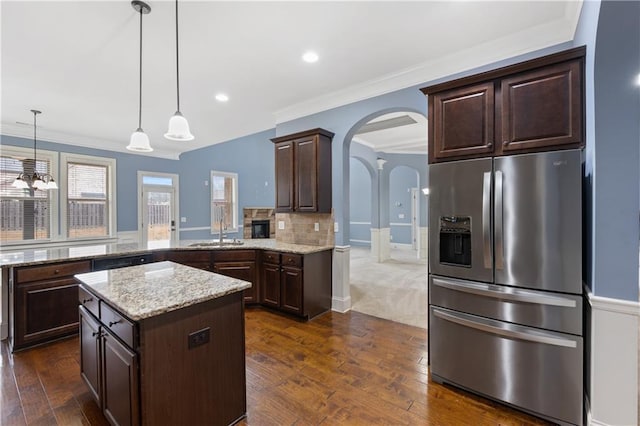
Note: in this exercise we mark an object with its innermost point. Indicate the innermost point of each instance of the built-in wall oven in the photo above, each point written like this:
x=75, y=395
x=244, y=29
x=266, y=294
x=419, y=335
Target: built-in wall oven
x=505, y=282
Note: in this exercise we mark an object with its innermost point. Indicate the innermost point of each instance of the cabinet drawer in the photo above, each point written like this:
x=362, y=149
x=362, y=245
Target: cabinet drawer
x=233, y=255
x=119, y=325
x=89, y=301
x=36, y=273
x=271, y=257
x=189, y=256
x=289, y=259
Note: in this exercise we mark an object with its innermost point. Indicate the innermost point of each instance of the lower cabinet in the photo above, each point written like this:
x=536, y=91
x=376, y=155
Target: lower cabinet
x=240, y=264
x=200, y=259
x=296, y=284
x=110, y=370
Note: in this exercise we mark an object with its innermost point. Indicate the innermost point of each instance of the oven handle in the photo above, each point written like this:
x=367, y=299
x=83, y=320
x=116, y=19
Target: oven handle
x=504, y=330
x=505, y=293
x=486, y=219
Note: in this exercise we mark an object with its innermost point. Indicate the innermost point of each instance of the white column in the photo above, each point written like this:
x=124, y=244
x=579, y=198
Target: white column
x=341, y=298
x=380, y=244
x=424, y=241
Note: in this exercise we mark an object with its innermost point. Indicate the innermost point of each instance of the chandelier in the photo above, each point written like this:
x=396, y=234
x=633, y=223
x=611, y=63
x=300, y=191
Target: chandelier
x=35, y=180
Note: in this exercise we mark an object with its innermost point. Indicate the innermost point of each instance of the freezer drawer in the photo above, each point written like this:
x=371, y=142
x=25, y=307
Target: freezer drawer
x=552, y=311
x=538, y=371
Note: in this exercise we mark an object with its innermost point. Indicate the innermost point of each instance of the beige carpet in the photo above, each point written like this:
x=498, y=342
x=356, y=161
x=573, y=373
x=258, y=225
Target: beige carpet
x=395, y=289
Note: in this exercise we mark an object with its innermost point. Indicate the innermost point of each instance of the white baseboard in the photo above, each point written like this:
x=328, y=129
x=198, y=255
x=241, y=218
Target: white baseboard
x=340, y=304
x=614, y=361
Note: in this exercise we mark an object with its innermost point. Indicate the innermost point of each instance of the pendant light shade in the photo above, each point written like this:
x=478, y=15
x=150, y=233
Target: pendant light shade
x=139, y=140
x=36, y=180
x=178, y=125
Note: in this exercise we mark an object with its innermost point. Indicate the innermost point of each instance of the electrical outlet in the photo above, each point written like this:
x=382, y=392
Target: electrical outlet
x=199, y=338
x=281, y=224
x=316, y=226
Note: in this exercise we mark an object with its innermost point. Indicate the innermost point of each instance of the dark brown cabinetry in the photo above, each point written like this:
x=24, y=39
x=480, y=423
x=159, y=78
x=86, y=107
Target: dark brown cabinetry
x=240, y=264
x=109, y=368
x=146, y=372
x=200, y=259
x=44, y=302
x=296, y=284
x=532, y=106
x=303, y=172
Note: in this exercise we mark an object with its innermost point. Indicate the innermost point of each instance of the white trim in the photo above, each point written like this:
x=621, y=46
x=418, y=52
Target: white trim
x=505, y=48
x=614, y=305
x=360, y=241
x=234, y=202
x=342, y=305
x=112, y=207
x=196, y=228
x=400, y=224
x=402, y=246
x=54, y=195
x=359, y=223
x=341, y=296
x=614, y=361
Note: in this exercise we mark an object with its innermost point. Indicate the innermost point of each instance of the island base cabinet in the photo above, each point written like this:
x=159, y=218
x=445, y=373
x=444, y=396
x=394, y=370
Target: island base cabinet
x=203, y=384
x=120, y=382
x=90, y=365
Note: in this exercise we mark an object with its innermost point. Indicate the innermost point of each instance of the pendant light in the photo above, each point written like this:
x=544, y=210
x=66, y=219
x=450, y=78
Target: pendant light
x=178, y=125
x=35, y=180
x=139, y=140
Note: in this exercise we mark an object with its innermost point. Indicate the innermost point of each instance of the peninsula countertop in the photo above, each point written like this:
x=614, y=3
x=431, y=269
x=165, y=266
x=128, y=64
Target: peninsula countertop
x=145, y=291
x=39, y=255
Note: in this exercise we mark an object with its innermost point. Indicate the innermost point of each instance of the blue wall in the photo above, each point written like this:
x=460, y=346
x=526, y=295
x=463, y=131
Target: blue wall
x=361, y=203
x=251, y=157
x=402, y=179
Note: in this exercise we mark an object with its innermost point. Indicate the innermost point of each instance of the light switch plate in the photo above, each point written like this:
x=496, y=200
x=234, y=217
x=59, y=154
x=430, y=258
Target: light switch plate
x=183, y=219
x=316, y=226
x=281, y=224
x=401, y=216
x=335, y=226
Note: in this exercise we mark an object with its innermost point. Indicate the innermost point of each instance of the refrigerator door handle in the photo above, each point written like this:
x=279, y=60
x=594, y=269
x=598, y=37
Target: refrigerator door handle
x=510, y=294
x=504, y=329
x=499, y=224
x=486, y=220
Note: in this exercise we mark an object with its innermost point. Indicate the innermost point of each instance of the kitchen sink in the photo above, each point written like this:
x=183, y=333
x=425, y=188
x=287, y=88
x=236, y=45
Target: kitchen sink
x=217, y=243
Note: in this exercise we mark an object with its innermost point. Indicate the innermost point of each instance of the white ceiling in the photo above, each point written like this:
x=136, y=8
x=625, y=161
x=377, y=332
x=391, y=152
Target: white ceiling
x=77, y=61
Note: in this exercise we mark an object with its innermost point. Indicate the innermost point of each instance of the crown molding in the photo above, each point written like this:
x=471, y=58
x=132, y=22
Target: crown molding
x=48, y=135
x=502, y=49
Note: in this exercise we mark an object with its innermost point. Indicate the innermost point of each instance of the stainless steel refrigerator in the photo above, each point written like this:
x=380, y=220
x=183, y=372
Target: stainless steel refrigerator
x=505, y=282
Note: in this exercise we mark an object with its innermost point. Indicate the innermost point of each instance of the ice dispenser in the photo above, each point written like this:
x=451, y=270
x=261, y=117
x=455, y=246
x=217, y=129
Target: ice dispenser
x=455, y=240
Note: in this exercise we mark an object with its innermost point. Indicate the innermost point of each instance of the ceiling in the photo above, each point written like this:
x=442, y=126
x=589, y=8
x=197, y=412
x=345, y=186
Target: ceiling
x=77, y=61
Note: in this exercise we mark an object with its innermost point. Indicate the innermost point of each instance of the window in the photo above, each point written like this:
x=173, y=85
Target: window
x=224, y=201
x=26, y=214
x=88, y=206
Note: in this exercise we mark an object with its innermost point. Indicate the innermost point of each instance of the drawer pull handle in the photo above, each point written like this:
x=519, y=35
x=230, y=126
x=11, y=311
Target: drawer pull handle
x=87, y=300
x=112, y=323
x=57, y=271
x=95, y=333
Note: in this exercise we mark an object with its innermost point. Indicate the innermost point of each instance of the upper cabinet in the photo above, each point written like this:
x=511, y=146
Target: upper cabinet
x=303, y=172
x=536, y=105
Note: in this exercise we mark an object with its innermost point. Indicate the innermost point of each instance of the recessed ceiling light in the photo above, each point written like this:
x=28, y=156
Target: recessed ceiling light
x=310, y=57
x=638, y=79
x=221, y=97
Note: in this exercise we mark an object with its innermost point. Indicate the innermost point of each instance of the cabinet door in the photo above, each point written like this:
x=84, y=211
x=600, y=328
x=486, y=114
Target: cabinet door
x=45, y=310
x=284, y=177
x=90, y=353
x=462, y=122
x=291, y=285
x=542, y=108
x=195, y=258
x=306, y=162
x=243, y=271
x=120, y=382
x=270, y=283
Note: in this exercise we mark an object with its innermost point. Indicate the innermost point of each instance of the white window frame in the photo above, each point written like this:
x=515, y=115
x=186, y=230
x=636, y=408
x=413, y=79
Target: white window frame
x=110, y=163
x=52, y=157
x=234, y=202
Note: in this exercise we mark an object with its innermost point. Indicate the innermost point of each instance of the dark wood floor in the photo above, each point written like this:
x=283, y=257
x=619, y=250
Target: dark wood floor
x=336, y=369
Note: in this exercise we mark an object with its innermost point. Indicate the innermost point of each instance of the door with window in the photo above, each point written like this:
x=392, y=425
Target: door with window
x=159, y=210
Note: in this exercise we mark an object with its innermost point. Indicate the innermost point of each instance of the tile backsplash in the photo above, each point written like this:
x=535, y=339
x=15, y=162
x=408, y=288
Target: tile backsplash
x=299, y=228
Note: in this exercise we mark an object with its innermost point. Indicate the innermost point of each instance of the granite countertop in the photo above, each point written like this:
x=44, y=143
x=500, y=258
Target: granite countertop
x=145, y=291
x=35, y=256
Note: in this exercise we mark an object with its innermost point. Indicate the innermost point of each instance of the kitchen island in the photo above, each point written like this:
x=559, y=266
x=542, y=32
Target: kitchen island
x=163, y=343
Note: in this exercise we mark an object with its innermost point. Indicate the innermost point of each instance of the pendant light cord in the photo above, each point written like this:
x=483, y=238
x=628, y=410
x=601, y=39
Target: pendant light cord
x=35, y=114
x=140, y=91
x=177, y=63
